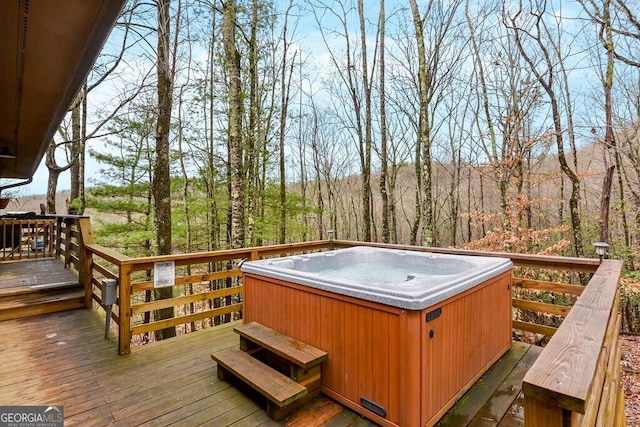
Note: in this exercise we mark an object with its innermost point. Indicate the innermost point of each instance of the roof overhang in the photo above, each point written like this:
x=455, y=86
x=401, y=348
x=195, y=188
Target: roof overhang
x=47, y=48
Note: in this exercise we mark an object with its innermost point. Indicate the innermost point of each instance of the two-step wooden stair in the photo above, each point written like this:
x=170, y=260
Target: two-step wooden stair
x=32, y=287
x=287, y=372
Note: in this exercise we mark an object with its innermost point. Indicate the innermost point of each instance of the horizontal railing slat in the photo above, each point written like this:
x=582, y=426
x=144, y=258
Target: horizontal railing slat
x=542, y=307
x=186, y=299
x=548, y=331
x=548, y=286
x=162, y=324
x=185, y=280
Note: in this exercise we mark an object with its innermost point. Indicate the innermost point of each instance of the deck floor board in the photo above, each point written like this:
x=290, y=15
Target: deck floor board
x=22, y=275
x=64, y=359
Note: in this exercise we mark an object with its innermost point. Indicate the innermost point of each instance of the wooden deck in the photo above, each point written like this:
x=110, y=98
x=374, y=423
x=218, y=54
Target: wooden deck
x=63, y=359
x=25, y=275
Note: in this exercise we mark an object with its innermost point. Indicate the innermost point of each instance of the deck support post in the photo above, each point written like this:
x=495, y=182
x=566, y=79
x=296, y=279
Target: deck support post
x=539, y=413
x=86, y=260
x=124, y=312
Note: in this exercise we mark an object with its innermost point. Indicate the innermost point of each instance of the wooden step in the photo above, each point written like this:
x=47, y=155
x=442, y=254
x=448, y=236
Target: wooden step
x=49, y=301
x=36, y=290
x=291, y=349
x=277, y=388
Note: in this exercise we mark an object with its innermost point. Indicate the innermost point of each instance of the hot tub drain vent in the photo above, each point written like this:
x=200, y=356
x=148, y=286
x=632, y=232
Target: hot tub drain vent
x=373, y=407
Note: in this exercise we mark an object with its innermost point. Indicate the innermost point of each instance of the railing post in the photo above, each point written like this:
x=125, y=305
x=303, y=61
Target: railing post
x=86, y=260
x=539, y=413
x=58, y=236
x=124, y=312
x=67, y=242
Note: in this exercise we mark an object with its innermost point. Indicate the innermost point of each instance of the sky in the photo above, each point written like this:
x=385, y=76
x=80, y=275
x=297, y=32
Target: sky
x=309, y=42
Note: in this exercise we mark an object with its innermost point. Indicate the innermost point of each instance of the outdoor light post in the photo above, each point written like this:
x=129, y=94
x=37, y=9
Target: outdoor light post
x=331, y=234
x=602, y=249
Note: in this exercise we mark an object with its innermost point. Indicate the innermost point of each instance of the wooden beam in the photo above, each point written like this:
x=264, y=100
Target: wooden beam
x=548, y=331
x=161, y=324
x=559, y=310
x=186, y=299
x=558, y=288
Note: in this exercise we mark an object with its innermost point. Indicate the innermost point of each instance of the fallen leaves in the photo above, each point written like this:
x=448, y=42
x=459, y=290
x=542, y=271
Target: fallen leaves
x=630, y=377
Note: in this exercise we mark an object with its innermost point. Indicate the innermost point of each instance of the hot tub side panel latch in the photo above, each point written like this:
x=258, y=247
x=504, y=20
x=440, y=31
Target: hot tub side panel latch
x=434, y=314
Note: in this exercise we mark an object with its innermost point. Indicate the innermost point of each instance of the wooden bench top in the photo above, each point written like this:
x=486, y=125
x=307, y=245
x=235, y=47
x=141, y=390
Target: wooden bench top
x=297, y=352
x=276, y=387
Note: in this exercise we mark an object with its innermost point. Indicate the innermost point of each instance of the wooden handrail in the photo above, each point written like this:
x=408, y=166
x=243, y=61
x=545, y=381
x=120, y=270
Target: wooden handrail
x=565, y=383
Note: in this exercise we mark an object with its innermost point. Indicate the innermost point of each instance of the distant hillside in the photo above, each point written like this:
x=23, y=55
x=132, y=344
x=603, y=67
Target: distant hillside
x=32, y=202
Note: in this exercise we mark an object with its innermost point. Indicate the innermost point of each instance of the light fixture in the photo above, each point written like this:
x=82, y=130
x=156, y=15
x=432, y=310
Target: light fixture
x=602, y=249
x=5, y=153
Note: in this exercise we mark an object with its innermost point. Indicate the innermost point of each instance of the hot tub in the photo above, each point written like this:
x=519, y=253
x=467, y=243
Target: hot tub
x=407, y=332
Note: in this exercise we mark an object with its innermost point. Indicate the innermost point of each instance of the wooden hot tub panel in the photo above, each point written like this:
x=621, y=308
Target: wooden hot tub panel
x=391, y=364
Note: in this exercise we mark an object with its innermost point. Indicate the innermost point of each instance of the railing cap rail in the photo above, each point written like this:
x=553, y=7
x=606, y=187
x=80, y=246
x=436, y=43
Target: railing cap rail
x=209, y=256
x=566, y=370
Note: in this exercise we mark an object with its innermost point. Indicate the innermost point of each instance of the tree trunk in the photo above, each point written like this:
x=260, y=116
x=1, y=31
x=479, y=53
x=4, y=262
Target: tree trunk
x=609, y=137
x=232, y=57
x=285, y=84
x=161, y=178
x=546, y=77
x=366, y=152
x=76, y=136
x=424, y=131
x=383, y=133
x=54, y=173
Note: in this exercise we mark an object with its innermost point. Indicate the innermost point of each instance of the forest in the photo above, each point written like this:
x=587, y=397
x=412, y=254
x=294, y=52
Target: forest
x=510, y=126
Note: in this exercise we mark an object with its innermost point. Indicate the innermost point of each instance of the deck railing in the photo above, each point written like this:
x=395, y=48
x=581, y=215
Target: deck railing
x=41, y=236
x=22, y=238
x=206, y=285
x=575, y=380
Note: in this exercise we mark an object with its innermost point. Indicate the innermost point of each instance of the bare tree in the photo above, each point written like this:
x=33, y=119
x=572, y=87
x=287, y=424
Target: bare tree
x=545, y=71
x=434, y=70
x=161, y=174
x=232, y=57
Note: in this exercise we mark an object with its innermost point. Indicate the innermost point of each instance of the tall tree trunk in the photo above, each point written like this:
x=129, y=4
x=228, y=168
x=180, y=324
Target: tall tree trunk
x=76, y=142
x=546, y=78
x=253, y=137
x=82, y=201
x=285, y=86
x=232, y=57
x=383, y=133
x=492, y=151
x=161, y=177
x=609, y=137
x=366, y=160
x=54, y=174
x=424, y=130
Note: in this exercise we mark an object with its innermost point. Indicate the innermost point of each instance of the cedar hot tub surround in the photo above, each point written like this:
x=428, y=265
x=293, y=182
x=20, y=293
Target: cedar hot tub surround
x=403, y=279
x=394, y=365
